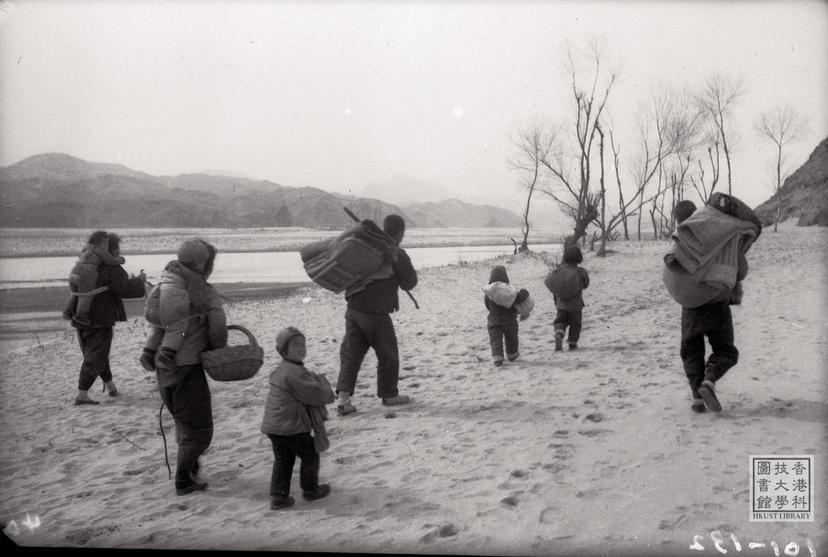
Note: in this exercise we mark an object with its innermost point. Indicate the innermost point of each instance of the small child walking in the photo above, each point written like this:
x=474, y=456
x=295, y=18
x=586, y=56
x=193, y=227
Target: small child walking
x=84, y=275
x=504, y=303
x=296, y=406
x=567, y=284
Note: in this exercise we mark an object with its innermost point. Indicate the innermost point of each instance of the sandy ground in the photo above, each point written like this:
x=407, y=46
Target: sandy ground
x=594, y=451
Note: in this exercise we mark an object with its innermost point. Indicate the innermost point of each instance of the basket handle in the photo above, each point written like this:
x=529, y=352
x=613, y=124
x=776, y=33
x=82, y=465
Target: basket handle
x=250, y=336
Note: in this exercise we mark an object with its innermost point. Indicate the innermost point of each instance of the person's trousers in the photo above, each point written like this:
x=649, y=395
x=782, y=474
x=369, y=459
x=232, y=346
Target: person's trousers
x=364, y=331
x=569, y=318
x=186, y=394
x=500, y=333
x=715, y=322
x=95, y=344
x=285, y=450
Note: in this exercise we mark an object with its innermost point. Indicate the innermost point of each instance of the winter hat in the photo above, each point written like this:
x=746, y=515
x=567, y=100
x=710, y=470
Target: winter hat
x=683, y=209
x=283, y=339
x=193, y=254
x=498, y=274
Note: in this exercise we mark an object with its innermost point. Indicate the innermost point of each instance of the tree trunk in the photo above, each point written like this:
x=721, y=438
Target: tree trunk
x=778, y=187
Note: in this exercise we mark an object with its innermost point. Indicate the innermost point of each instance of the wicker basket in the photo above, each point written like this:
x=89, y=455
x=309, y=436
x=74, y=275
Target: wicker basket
x=234, y=363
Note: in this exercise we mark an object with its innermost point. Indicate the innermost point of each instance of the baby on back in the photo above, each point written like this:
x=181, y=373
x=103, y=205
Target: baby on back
x=84, y=275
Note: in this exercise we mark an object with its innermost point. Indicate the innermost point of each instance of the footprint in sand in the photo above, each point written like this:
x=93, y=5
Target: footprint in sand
x=445, y=531
x=549, y=515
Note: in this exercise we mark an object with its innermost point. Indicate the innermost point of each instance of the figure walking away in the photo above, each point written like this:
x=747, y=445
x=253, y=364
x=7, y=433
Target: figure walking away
x=505, y=303
x=567, y=284
x=183, y=385
x=368, y=324
x=703, y=272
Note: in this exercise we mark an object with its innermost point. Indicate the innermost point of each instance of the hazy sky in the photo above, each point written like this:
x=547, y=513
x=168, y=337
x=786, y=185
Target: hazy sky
x=338, y=95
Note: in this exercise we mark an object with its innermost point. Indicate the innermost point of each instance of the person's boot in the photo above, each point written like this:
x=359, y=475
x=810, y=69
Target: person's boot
x=147, y=359
x=708, y=393
x=396, y=400
x=321, y=491
x=281, y=502
x=110, y=388
x=83, y=398
x=698, y=405
x=558, y=341
x=190, y=487
x=344, y=406
x=184, y=483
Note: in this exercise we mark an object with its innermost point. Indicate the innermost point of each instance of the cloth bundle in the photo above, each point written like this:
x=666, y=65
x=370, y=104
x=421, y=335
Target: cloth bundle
x=703, y=260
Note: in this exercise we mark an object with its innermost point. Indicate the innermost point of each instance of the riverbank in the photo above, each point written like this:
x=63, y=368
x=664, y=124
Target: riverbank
x=32, y=316
x=586, y=452
x=61, y=242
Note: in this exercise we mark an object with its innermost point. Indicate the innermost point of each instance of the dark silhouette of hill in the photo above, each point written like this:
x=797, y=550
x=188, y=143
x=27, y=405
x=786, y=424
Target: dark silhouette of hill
x=57, y=190
x=453, y=212
x=804, y=193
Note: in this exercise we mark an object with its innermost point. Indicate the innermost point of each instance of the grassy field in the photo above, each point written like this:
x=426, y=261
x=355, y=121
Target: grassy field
x=34, y=242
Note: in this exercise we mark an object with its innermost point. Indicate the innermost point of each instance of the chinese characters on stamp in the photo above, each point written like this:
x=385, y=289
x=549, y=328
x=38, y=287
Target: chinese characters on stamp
x=782, y=488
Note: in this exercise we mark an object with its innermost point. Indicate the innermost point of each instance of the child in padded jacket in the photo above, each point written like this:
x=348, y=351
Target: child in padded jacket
x=180, y=295
x=296, y=406
x=84, y=275
x=503, y=303
x=570, y=310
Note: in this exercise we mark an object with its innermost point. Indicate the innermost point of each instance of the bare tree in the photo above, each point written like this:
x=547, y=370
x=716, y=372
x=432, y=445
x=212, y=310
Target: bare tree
x=667, y=126
x=700, y=185
x=533, y=145
x=781, y=125
x=576, y=199
x=718, y=98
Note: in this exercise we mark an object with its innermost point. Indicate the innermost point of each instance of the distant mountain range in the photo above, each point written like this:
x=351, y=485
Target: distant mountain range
x=804, y=193
x=58, y=190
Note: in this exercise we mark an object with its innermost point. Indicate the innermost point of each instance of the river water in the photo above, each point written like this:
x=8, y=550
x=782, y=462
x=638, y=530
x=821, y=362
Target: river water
x=273, y=266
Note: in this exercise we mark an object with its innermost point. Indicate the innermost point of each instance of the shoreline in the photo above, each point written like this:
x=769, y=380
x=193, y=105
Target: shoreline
x=53, y=298
x=33, y=316
x=284, y=249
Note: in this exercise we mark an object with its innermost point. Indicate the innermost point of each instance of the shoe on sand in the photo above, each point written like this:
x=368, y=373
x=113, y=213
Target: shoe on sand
x=708, y=393
x=84, y=400
x=321, y=491
x=194, y=486
x=697, y=405
x=281, y=502
x=345, y=408
x=395, y=400
x=559, y=341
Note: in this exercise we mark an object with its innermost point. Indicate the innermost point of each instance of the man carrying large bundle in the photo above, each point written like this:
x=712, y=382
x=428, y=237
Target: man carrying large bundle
x=368, y=324
x=703, y=272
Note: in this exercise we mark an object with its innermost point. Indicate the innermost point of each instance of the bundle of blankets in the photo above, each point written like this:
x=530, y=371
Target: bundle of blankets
x=703, y=261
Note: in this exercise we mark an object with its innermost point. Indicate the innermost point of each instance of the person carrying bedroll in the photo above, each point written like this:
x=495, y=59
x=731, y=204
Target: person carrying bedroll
x=704, y=269
x=368, y=324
